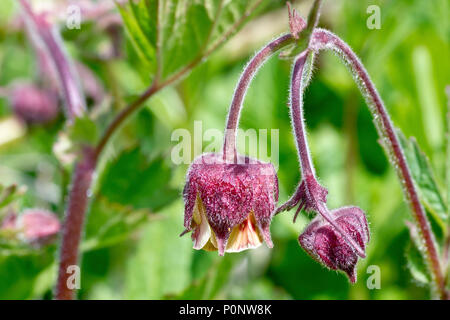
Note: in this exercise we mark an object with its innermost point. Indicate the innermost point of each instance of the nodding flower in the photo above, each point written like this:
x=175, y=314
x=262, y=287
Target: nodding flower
x=327, y=246
x=229, y=206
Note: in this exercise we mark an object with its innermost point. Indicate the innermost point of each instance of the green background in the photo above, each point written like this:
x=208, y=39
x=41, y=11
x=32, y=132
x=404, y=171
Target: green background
x=132, y=249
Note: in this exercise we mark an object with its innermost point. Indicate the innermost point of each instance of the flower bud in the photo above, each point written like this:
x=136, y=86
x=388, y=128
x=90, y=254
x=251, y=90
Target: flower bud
x=229, y=206
x=34, y=105
x=322, y=242
x=38, y=226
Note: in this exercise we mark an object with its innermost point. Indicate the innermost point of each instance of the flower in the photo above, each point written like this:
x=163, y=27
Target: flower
x=327, y=246
x=37, y=226
x=34, y=105
x=229, y=206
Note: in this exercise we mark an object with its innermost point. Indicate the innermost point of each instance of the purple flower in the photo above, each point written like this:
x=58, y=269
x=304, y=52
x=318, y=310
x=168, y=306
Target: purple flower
x=322, y=242
x=229, y=206
x=34, y=105
x=36, y=226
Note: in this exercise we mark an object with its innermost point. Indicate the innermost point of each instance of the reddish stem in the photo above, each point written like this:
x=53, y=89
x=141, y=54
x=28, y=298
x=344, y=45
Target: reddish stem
x=74, y=221
x=323, y=39
x=297, y=115
x=307, y=168
x=229, y=146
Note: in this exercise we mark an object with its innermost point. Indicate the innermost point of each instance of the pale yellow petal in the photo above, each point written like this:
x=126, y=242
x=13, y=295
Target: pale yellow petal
x=202, y=230
x=244, y=236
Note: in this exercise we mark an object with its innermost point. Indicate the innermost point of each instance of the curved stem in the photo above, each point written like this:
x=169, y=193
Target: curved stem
x=123, y=115
x=323, y=39
x=229, y=146
x=298, y=124
x=298, y=84
x=82, y=178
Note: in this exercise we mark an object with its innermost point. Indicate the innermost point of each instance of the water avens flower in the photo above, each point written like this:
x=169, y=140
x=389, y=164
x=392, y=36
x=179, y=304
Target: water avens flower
x=34, y=226
x=322, y=242
x=38, y=226
x=229, y=206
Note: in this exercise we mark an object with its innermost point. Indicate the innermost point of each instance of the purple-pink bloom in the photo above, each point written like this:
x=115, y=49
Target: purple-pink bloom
x=33, y=104
x=38, y=226
x=327, y=246
x=229, y=206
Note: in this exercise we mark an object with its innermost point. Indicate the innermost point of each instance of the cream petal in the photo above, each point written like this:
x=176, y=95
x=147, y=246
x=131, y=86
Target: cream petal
x=244, y=236
x=202, y=230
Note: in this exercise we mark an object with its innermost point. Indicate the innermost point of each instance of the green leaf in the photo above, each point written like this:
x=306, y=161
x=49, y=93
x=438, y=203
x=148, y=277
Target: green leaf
x=132, y=180
x=110, y=223
x=21, y=273
x=424, y=178
x=172, y=34
x=83, y=130
x=10, y=194
x=416, y=265
x=162, y=261
x=415, y=257
x=210, y=286
x=137, y=25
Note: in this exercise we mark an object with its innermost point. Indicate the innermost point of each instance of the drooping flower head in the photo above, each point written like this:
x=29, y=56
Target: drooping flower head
x=229, y=206
x=322, y=242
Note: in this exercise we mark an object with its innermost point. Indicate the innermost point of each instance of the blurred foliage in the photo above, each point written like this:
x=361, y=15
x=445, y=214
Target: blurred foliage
x=131, y=246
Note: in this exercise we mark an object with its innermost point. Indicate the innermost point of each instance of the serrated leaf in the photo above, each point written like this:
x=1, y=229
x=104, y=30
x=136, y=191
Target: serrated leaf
x=110, y=223
x=83, y=130
x=183, y=29
x=424, y=178
x=133, y=180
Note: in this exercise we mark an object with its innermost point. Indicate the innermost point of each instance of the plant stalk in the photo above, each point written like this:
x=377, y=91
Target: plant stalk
x=82, y=177
x=73, y=223
x=298, y=83
x=323, y=39
x=229, y=146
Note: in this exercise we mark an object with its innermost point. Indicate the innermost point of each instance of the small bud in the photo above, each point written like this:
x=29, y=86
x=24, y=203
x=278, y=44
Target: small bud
x=229, y=206
x=296, y=23
x=308, y=195
x=327, y=246
x=38, y=226
x=34, y=105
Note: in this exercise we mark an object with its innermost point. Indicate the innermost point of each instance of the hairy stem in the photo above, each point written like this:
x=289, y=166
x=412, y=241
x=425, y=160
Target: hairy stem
x=301, y=40
x=323, y=39
x=229, y=146
x=298, y=84
x=297, y=88
x=73, y=223
x=82, y=178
